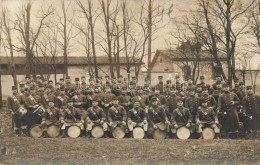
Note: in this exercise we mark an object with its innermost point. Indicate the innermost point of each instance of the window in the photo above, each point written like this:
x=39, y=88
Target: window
x=160, y=60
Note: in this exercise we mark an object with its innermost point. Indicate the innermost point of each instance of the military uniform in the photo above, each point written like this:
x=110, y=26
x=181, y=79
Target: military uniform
x=181, y=117
x=192, y=103
x=206, y=116
x=137, y=116
x=116, y=116
x=251, y=110
x=227, y=107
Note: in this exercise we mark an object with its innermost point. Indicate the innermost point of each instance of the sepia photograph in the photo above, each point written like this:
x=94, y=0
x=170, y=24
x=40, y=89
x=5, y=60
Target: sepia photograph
x=129, y=82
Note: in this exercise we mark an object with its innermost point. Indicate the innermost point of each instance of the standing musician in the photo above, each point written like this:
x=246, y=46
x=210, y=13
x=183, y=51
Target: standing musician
x=14, y=105
x=227, y=108
x=251, y=110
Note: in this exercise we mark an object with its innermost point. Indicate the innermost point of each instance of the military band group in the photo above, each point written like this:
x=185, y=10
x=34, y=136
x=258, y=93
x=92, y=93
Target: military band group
x=117, y=108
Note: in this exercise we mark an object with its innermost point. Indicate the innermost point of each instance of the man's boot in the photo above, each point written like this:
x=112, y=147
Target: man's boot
x=63, y=133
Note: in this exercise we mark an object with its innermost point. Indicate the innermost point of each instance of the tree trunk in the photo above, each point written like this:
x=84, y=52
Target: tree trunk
x=149, y=39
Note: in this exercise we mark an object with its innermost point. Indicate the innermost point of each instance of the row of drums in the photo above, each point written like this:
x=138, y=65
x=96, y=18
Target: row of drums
x=74, y=131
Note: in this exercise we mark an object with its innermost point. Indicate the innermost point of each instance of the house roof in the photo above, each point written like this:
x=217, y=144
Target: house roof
x=72, y=60
x=176, y=55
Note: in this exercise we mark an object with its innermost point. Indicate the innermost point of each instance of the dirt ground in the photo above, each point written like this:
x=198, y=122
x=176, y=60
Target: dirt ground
x=26, y=150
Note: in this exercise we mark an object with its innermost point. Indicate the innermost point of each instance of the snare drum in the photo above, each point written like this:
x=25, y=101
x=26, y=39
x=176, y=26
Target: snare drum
x=208, y=133
x=118, y=133
x=53, y=131
x=138, y=133
x=73, y=131
x=36, y=131
x=183, y=133
x=97, y=132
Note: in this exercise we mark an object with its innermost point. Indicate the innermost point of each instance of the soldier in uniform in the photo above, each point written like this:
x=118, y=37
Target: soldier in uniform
x=227, y=108
x=181, y=116
x=209, y=98
x=137, y=116
x=217, y=82
x=14, y=105
x=125, y=100
x=116, y=115
x=95, y=115
x=206, y=117
x=70, y=115
x=68, y=87
x=160, y=85
x=79, y=100
x=192, y=103
x=156, y=115
x=251, y=110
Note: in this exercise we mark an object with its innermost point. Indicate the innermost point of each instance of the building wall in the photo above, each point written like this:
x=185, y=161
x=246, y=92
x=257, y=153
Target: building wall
x=73, y=71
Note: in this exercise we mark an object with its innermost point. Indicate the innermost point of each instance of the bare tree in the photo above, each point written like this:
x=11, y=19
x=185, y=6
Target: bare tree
x=7, y=31
x=28, y=35
x=66, y=30
x=1, y=94
x=88, y=14
x=227, y=13
x=108, y=15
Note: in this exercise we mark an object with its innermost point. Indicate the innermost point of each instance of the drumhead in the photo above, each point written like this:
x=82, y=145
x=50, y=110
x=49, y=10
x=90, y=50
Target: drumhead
x=53, y=131
x=97, y=132
x=159, y=134
x=73, y=131
x=138, y=133
x=208, y=133
x=183, y=133
x=36, y=131
x=118, y=133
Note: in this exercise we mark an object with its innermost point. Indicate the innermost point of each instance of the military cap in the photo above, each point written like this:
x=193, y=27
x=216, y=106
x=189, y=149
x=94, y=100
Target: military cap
x=27, y=76
x=205, y=88
x=204, y=100
x=133, y=78
x=236, y=80
x=160, y=77
x=38, y=76
x=249, y=87
x=50, y=81
x=83, y=77
x=225, y=85
x=241, y=83
x=202, y=77
x=21, y=84
x=14, y=88
x=120, y=76
x=68, y=77
x=179, y=99
x=76, y=79
x=32, y=87
x=168, y=81
x=177, y=76
x=132, y=83
x=153, y=99
x=40, y=85
x=62, y=79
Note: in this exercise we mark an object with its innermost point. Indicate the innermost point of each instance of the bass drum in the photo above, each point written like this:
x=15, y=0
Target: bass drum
x=36, y=131
x=118, y=133
x=208, y=133
x=183, y=133
x=73, y=131
x=97, y=132
x=138, y=133
x=53, y=131
x=159, y=134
